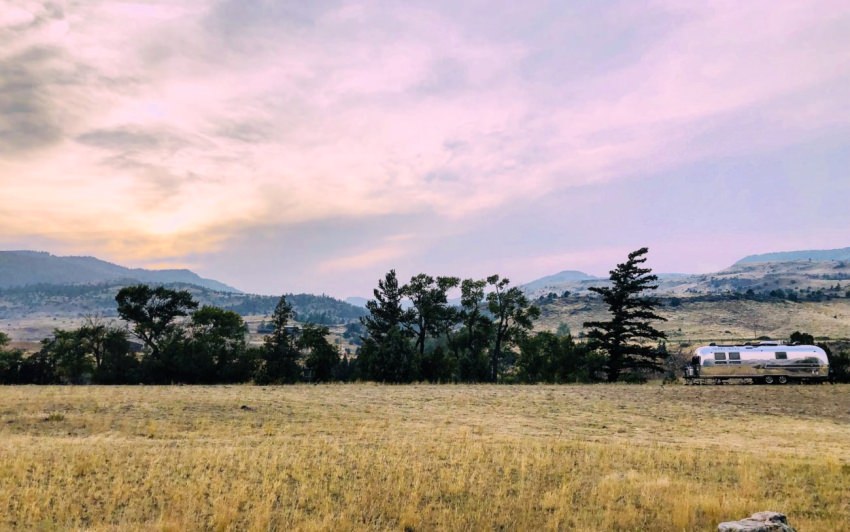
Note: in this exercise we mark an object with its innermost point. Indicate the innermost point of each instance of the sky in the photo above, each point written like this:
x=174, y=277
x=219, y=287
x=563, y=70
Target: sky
x=290, y=146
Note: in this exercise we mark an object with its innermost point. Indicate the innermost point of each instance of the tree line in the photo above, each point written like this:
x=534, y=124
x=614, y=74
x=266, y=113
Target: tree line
x=412, y=332
x=169, y=339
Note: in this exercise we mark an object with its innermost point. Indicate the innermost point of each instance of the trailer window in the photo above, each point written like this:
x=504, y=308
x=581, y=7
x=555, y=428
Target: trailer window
x=734, y=358
x=719, y=356
x=781, y=355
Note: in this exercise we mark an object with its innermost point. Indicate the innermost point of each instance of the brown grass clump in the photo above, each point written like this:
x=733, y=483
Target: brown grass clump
x=352, y=457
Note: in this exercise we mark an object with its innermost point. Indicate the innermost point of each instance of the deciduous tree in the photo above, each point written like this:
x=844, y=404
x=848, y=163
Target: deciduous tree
x=152, y=313
x=320, y=357
x=431, y=313
x=69, y=356
x=218, y=342
x=473, y=339
x=513, y=316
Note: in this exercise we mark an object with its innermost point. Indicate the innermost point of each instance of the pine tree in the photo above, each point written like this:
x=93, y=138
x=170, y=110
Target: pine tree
x=628, y=340
x=387, y=354
x=280, y=355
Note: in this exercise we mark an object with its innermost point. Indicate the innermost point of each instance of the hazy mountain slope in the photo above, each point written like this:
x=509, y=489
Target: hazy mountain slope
x=801, y=277
x=21, y=268
x=82, y=299
x=566, y=277
x=357, y=301
x=789, y=256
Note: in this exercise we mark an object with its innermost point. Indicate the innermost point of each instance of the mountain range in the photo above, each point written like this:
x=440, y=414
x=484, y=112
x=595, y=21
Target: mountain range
x=23, y=268
x=34, y=283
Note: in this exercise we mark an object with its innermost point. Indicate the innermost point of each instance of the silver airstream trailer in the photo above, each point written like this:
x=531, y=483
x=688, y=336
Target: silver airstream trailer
x=764, y=363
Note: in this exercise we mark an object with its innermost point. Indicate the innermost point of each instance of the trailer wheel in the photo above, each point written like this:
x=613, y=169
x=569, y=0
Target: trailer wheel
x=782, y=379
x=768, y=379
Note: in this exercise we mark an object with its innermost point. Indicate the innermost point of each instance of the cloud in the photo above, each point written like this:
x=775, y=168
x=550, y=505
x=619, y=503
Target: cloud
x=28, y=118
x=128, y=139
x=382, y=255
x=178, y=126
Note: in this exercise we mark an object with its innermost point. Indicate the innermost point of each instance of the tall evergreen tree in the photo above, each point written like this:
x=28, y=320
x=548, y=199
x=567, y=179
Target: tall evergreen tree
x=628, y=339
x=280, y=353
x=385, y=311
x=387, y=354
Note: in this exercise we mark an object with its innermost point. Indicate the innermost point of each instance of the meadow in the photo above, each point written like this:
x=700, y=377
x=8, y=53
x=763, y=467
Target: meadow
x=365, y=456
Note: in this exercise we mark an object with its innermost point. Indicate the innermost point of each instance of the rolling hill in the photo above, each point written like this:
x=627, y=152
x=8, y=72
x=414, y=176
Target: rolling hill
x=25, y=268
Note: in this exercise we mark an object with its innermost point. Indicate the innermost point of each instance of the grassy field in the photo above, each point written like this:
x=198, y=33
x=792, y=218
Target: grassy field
x=348, y=457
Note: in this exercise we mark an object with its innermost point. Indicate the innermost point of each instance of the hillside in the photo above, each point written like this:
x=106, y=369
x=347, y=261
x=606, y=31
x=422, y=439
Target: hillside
x=552, y=282
x=800, y=278
x=25, y=268
x=807, y=255
x=750, y=299
x=84, y=299
x=715, y=317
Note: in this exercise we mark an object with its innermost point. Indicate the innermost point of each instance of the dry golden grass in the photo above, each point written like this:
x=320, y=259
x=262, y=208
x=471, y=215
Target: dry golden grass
x=721, y=320
x=350, y=457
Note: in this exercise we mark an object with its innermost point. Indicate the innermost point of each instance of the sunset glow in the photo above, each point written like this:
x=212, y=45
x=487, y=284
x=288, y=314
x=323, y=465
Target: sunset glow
x=311, y=146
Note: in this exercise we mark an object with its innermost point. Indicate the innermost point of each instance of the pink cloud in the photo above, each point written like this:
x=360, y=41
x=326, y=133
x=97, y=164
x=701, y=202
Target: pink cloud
x=374, y=109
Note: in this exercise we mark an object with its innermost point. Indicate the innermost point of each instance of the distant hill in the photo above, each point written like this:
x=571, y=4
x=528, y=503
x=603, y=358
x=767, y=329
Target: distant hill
x=557, y=280
x=357, y=301
x=23, y=268
x=818, y=255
